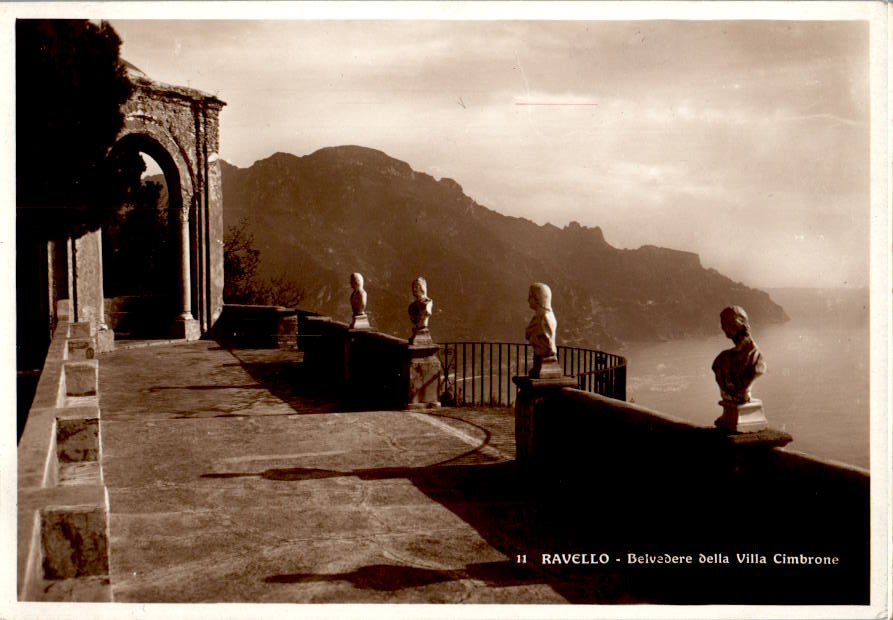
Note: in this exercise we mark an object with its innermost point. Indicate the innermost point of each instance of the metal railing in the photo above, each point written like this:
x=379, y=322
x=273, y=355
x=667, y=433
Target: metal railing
x=480, y=373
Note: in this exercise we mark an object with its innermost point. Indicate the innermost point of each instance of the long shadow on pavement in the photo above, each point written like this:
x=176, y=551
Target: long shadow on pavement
x=605, y=525
x=620, y=522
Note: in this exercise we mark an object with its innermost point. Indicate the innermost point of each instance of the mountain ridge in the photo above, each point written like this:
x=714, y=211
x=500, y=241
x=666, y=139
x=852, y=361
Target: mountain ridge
x=342, y=209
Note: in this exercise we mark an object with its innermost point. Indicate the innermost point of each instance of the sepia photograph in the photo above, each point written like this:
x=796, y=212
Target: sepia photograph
x=459, y=309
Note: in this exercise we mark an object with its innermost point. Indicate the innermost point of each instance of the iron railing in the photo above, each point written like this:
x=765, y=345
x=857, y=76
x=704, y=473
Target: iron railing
x=480, y=373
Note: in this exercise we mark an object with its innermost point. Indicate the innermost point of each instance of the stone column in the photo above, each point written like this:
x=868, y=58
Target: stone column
x=185, y=326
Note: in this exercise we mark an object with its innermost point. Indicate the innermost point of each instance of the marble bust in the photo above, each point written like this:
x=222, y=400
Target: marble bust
x=736, y=369
x=420, y=312
x=358, y=302
x=541, y=332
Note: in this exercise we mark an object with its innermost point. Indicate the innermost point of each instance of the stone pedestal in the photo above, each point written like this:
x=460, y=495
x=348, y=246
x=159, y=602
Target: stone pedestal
x=546, y=367
x=424, y=376
x=531, y=392
x=81, y=378
x=81, y=349
x=348, y=357
x=742, y=417
x=80, y=330
x=187, y=329
x=77, y=435
x=74, y=540
x=420, y=336
x=360, y=322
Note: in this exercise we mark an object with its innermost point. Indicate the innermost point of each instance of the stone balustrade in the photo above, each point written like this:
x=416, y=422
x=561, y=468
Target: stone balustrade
x=63, y=549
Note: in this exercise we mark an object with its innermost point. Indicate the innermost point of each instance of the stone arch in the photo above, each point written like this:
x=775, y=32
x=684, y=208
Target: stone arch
x=144, y=301
x=148, y=136
x=178, y=128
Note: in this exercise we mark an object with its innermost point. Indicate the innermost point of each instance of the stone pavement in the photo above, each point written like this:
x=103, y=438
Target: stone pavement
x=227, y=483
x=232, y=479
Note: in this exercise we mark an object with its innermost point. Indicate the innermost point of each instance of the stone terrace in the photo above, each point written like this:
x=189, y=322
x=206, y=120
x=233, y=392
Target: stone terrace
x=225, y=485
x=229, y=481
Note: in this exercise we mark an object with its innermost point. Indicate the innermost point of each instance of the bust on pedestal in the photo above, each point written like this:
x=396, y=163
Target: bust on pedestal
x=544, y=378
x=541, y=333
x=735, y=370
x=425, y=372
x=420, y=312
x=358, y=303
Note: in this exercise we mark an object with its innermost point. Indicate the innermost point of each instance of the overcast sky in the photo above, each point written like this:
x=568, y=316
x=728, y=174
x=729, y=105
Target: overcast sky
x=746, y=142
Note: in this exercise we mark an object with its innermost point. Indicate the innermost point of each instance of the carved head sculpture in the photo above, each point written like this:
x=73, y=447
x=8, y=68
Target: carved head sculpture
x=420, y=288
x=735, y=323
x=736, y=369
x=358, y=296
x=540, y=297
x=540, y=332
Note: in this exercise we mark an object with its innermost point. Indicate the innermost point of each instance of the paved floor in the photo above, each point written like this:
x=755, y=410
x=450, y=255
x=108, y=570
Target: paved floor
x=226, y=484
x=229, y=482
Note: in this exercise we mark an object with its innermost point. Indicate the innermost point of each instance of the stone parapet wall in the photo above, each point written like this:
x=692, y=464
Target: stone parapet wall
x=366, y=368
x=617, y=426
x=258, y=326
x=634, y=474
x=62, y=502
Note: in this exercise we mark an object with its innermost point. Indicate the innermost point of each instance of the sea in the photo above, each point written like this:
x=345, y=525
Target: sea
x=816, y=386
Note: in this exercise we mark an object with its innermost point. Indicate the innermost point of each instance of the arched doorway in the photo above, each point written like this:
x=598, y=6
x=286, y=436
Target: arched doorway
x=178, y=128
x=140, y=245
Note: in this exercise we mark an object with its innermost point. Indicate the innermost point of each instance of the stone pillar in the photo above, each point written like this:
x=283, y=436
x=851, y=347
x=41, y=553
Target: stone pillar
x=185, y=326
x=532, y=392
x=424, y=376
x=72, y=291
x=215, y=234
x=85, y=275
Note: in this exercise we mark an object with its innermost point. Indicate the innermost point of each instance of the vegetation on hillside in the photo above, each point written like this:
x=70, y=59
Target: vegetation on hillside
x=243, y=283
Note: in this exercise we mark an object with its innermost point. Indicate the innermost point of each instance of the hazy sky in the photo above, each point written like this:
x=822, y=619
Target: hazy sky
x=744, y=141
